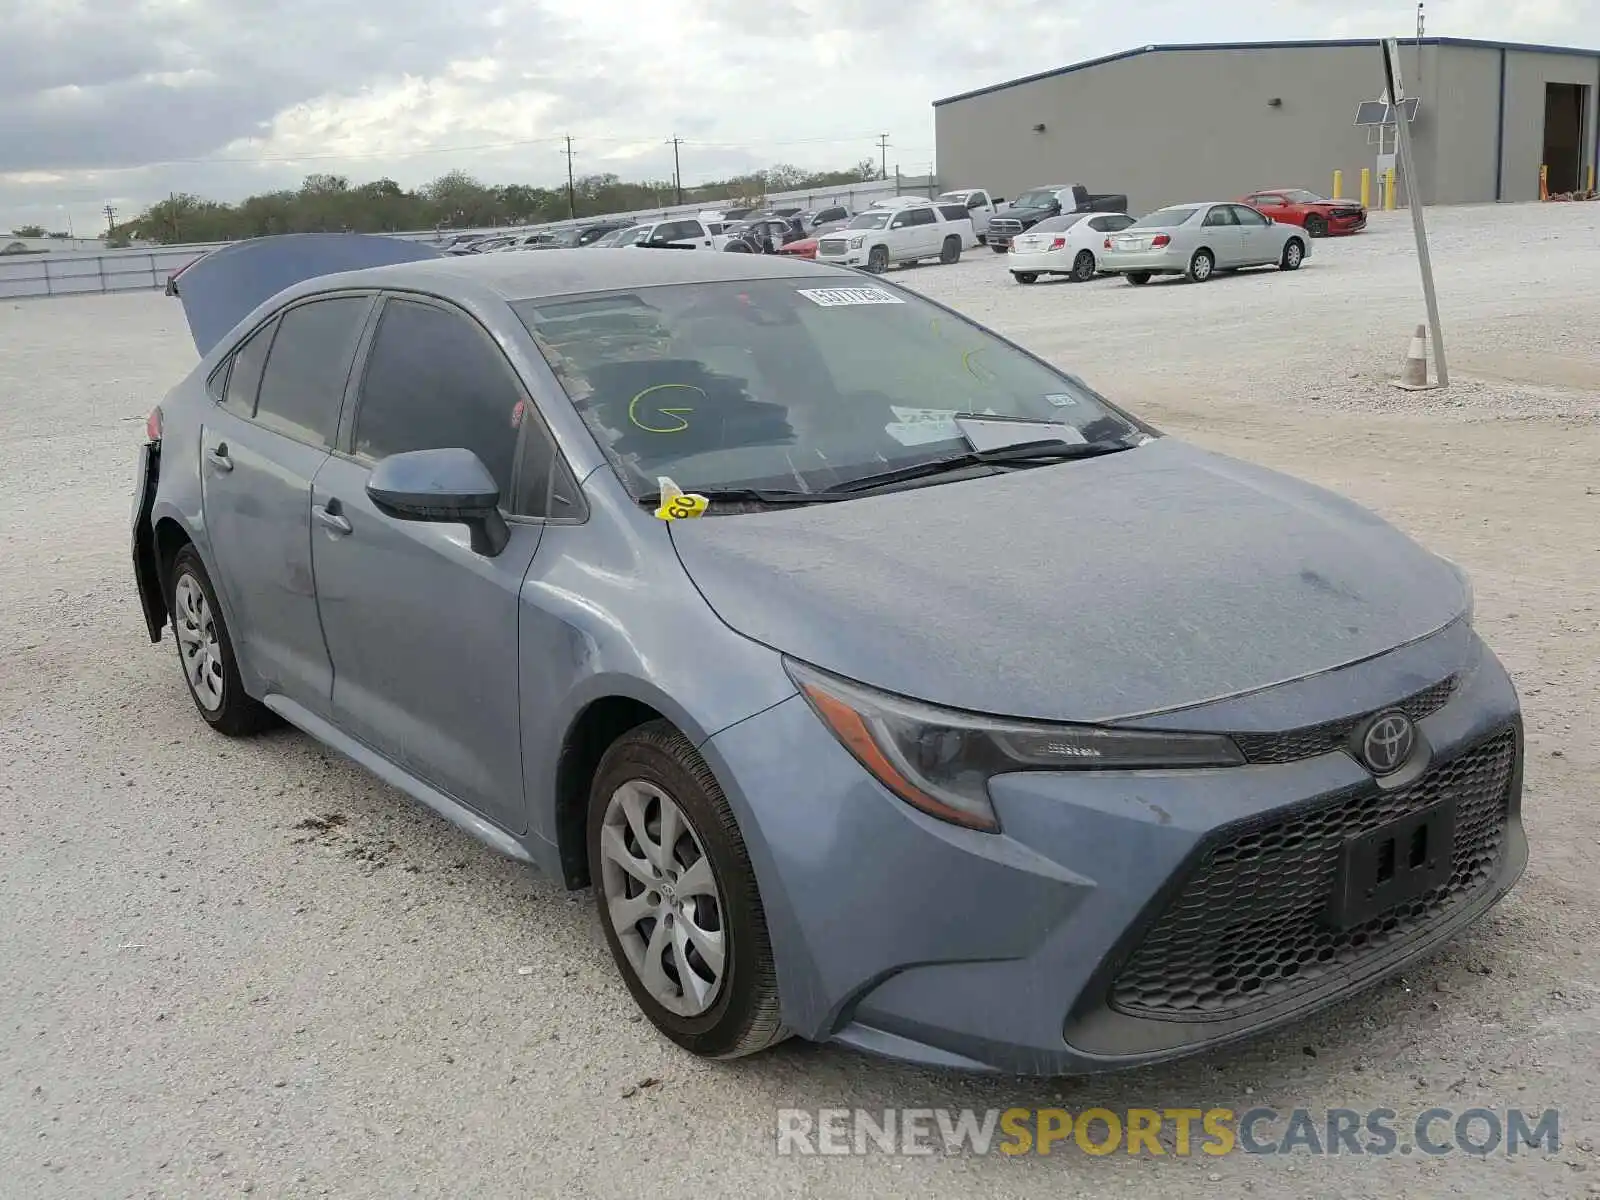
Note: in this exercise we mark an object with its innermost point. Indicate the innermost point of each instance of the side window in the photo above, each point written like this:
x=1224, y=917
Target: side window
x=1220, y=215
x=923, y=216
x=975, y=201
x=1118, y=222
x=953, y=212
x=244, y=379
x=434, y=380
x=1249, y=216
x=1100, y=224
x=309, y=366
x=217, y=381
x=900, y=220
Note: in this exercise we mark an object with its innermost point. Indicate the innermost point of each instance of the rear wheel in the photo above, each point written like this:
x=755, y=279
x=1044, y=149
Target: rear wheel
x=1025, y=276
x=1201, y=266
x=205, y=651
x=678, y=899
x=1293, y=255
x=951, y=250
x=1083, y=267
x=1316, y=226
x=878, y=260
x=1139, y=277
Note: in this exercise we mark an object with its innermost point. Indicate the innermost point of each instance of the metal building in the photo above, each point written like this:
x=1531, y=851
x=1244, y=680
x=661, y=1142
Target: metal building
x=1173, y=123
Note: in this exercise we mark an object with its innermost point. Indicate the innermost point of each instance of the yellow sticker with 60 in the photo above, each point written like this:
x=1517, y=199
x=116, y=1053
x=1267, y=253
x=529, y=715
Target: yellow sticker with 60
x=677, y=504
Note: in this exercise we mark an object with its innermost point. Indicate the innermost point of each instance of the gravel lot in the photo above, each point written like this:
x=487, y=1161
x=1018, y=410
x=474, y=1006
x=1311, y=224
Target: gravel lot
x=204, y=993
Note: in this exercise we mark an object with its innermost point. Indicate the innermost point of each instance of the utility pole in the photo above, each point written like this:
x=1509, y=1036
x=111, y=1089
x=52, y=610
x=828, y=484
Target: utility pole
x=1421, y=23
x=677, y=172
x=572, y=202
x=111, y=218
x=883, y=152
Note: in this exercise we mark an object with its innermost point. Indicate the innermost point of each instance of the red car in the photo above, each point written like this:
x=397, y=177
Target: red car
x=1318, y=215
x=806, y=247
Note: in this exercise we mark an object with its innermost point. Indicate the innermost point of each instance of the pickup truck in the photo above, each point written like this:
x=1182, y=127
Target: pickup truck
x=1035, y=204
x=980, y=206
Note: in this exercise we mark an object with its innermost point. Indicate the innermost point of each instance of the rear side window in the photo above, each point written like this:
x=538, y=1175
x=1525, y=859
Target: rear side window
x=435, y=380
x=309, y=366
x=922, y=216
x=954, y=212
x=244, y=379
x=1164, y=218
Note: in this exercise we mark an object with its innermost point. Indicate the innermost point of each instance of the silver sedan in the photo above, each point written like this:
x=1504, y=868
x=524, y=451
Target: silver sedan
x=1198, y=240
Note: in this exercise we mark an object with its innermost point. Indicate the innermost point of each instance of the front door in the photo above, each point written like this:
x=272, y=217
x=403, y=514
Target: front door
x=260, y=450
x=423, y=631
x=1258, y=238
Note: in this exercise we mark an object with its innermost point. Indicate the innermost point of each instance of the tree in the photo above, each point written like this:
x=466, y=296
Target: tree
x=29, y=231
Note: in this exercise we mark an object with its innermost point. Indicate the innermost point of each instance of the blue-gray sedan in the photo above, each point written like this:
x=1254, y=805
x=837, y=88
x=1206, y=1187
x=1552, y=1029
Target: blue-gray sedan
x=888, y=684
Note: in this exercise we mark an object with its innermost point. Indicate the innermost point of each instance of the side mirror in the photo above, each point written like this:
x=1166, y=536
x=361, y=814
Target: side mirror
x=450, y=485
x=1055, y=206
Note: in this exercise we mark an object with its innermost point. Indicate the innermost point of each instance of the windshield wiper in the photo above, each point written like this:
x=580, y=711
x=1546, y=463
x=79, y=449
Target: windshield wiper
x=1040, y=451
x=741, y=495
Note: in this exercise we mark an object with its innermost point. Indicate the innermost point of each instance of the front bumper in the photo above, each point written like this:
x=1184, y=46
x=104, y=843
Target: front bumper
x=1041, y=950
x=850, y=258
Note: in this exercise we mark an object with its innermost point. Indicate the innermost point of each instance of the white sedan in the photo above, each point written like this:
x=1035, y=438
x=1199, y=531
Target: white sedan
x=1066, y=245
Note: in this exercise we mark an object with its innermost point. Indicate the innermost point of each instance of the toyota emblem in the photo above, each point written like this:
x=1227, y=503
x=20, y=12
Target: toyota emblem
x=1388, y=742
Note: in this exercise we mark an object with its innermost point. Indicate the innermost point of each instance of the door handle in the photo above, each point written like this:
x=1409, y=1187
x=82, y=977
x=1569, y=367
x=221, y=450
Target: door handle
x=330, y=519
x=219, y=457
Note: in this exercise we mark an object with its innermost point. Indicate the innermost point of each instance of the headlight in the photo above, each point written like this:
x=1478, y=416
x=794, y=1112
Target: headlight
x=857, y=241
x=941, y=760
x=1466, y=586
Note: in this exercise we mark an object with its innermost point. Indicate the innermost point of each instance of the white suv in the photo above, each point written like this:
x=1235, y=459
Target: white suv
x=903, y=231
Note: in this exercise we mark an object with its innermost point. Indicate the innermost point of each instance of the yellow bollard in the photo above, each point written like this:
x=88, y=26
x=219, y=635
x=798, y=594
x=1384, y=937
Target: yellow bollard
x=1338, y=185
x=1366, y=187
x=1591, y=178
x=1390, y=200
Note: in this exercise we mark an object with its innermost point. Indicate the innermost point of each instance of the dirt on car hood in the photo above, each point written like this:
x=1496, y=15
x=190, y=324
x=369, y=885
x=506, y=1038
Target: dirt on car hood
x=1156, y=578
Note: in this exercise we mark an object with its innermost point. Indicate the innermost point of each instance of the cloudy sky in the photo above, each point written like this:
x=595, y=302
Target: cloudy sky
x=122, y=101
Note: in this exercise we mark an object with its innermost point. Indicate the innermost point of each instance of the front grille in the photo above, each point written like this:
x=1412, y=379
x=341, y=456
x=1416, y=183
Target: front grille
x=1347, y=212
x=1311, y=740
x=832, y=246
x=1248, y=928
x=1005, y=225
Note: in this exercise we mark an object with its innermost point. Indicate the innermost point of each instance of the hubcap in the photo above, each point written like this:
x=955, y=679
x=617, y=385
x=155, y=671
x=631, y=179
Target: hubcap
x=1294, y=256
x=197, y=642
x=1202, y=267
x=662, y=898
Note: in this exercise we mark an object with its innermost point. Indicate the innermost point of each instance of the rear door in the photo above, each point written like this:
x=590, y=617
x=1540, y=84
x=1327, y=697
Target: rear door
x=260, y=450
x=927, y=230
x=1220, y=231
x=423, y=631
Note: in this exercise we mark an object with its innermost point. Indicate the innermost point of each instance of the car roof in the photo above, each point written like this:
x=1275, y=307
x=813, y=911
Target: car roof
x=564, y=272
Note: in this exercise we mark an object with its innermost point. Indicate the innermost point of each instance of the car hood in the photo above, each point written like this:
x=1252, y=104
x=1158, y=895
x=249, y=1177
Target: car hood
x=1029, y=214
x=1152, y=579
x=225, y=286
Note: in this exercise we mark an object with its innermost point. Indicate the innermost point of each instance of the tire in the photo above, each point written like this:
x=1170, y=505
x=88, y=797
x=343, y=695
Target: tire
x=738, y=248
x=1316, y=227
x=983, y=239
x=1083, y=267
x=878, y=260
x=205, y=652
x=1139, y=278
x=1201, y=265
x=1025, y=276
x=1293, y=255
x=998, y=249
x=950, y=252
x=736, y=1012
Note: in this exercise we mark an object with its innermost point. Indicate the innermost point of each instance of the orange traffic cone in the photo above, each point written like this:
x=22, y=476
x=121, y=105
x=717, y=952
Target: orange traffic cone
x=1414, y=374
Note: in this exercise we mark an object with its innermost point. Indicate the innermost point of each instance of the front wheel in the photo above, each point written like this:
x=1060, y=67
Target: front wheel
x=678, y=899
x=1139, y=278
x=1201, y=266
x=1025, y=276
x=997, y=248
x=1316, y=227
x=951, y=250
x=878, y=260
x=1293, y=255
x=1083, y=267
x=206, y=653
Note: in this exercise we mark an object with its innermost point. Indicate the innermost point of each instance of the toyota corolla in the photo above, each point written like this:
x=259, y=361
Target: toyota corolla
x=888, y=684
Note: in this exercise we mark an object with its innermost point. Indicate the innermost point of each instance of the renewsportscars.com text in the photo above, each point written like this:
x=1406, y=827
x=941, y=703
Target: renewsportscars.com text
x=1166, y=1132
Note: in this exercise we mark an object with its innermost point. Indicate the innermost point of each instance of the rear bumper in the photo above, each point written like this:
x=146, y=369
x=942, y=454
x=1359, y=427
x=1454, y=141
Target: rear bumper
x=1157, y=262
x=1039, y=261
x=1017, y=952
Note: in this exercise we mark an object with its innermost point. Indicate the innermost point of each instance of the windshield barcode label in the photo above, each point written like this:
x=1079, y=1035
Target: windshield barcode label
x=835, y=297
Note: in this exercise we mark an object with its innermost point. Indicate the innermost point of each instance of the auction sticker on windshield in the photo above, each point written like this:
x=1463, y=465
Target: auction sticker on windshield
x=837, y=297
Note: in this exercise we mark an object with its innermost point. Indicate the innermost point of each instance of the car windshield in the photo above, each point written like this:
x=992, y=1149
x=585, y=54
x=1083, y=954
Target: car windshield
x=953, y=197
x=1300, y=196
x=632, y=237
x=791, y=384
x=1163, y=218
x=1038, y=198
x=869, y=220
x=1057, y=224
